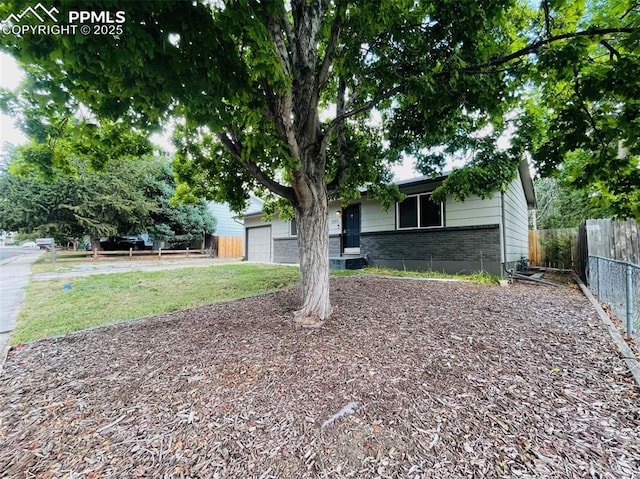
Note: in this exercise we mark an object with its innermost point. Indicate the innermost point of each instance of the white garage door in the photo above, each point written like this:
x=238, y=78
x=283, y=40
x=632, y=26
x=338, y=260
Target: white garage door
x=259, y=244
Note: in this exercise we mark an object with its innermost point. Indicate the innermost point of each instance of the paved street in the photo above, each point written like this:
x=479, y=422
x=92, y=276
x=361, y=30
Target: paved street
x=7, y=253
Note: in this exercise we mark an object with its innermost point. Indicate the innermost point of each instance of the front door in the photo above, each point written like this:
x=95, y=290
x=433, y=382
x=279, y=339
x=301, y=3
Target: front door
x=351, y=229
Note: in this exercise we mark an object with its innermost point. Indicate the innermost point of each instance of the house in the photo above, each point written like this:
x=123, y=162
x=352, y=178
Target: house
x=417, y=234
x=227, y=223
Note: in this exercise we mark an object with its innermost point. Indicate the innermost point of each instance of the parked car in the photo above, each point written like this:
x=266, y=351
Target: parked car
x=29, y=244
x=125, y=242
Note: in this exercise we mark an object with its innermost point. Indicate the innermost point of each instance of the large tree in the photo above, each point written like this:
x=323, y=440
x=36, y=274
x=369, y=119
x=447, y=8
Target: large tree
x=308, y=99
x=561, y=206
x=127, y=196
x=67, y=207
x=177, y=222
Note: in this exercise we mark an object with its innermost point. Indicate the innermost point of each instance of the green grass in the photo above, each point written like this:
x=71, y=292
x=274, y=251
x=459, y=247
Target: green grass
x=51, y=310
x=481, y=278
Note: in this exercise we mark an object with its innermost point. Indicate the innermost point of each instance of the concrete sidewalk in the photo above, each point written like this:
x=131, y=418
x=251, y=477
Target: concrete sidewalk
x=14, y=276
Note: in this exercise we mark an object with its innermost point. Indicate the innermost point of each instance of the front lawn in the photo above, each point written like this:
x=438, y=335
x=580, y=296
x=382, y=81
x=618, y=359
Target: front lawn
x=64, y=305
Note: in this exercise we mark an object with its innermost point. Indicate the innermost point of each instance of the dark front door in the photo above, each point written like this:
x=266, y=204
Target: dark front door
x=351, y=226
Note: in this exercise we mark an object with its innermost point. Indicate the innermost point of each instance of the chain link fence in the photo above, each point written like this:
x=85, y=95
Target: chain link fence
x=617, y=283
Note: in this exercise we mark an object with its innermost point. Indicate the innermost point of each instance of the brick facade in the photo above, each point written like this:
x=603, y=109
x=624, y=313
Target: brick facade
x=453, y=250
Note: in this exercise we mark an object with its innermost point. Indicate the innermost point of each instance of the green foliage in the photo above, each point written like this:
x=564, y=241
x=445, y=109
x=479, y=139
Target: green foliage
x=558, y=248
x=176, y=222
x=90, y=203
x=580, y=117
x=248, y=91
x=489, y=171
x=560, y=206
x=129, y=196
x=60, y=129
x=440, y=73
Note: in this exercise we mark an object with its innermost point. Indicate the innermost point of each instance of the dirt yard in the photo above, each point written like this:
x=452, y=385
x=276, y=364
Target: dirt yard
x=409, y=379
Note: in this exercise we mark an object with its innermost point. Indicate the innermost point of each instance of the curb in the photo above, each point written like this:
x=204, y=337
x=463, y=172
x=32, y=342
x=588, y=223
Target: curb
x=4, y=350
x=626, y=354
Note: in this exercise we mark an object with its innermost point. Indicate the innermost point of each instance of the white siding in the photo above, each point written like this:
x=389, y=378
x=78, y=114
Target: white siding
x=335, y=221
x=255, y=221
x=516, y=222
x=473, y=211
x=375, y=219
x=280, y=228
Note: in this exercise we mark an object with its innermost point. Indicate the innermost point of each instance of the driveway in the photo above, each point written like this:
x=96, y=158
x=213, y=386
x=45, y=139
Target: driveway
x=92, y=267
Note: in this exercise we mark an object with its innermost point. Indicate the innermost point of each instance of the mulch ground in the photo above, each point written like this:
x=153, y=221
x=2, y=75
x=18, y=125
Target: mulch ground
x=408, y=379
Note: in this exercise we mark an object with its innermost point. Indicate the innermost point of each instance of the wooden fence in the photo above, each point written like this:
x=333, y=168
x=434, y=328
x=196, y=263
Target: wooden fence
x=556, y=248
x=613, y=239
x=229, y=247
x=222, y=247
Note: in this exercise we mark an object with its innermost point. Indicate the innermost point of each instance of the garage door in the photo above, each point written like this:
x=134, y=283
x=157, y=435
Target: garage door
x=259, y=244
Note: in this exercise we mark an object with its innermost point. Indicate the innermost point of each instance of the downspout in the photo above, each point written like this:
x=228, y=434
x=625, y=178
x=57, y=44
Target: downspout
x=511, y=272
x=504, y=235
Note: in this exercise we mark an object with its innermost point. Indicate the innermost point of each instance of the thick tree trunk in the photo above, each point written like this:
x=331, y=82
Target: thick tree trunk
x=313, y=243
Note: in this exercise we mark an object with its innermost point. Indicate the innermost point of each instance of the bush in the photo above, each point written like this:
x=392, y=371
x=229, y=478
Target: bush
x=558, y=250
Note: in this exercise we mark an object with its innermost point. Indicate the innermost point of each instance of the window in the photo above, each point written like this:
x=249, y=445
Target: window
x=419, y=211
x=294, y=227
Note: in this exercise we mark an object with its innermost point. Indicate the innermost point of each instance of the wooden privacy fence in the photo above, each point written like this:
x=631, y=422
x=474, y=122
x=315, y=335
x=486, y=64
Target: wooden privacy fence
x=612, y=239
x=229, y=247
x=610, y=264
x=556, y=248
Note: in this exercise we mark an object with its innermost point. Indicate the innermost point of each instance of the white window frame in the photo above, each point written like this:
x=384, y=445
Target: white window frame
x=418, y=195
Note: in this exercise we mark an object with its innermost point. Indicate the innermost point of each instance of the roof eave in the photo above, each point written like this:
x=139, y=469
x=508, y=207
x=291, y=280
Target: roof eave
x=527, y=184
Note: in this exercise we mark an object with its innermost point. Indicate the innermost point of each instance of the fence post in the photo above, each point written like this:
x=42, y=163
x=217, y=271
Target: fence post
x=629, y=301
x=598, y=275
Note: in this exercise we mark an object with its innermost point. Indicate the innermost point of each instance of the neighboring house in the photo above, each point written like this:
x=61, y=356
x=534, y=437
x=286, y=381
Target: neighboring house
x=415, y=234
x=227, y=222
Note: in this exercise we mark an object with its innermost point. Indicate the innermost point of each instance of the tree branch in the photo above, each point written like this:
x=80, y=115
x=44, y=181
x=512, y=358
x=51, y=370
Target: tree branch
x=280, y=112
x=631, y=9
x=547, y=18
x=329, y=53
x=534, y=47
x=234, y=147
x=287, y=28
x=274, y=27
x=343, y=153
x=612, y=51
x=280, y=104
x=361, y=109
x=585, y=108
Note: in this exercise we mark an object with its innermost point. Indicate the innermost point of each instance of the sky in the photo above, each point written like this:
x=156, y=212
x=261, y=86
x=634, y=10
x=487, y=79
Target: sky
x=11, y=76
